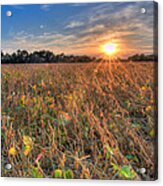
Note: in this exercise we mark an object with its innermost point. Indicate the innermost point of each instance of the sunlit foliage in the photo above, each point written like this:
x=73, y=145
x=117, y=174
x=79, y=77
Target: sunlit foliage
x=91, y=121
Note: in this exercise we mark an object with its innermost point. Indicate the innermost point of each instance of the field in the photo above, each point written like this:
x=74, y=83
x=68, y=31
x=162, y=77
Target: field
x=92, y=120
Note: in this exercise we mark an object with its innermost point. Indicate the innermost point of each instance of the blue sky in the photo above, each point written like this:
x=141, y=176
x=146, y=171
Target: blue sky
x=79, y=28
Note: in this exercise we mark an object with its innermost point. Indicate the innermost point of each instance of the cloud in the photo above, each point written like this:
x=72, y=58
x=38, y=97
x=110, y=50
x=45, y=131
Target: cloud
x=94, y=29
x=45, y=7
x=56, y=42
x=124, y=25
x=41, y=26
x=47, y=41
x=79, y=4
x=74, y=24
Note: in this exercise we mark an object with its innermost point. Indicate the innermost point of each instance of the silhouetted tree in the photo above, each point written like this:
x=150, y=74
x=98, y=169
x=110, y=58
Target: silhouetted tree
x=45, y=56
x=142, y=57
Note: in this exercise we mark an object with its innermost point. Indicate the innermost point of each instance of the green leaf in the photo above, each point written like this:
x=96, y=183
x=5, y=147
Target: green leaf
x=36, y=173
x=68, y=174
x=126, y=172
x=115, y=167
x=58, y=173
x=109, y=151
x=152, y=133
x=129, y=156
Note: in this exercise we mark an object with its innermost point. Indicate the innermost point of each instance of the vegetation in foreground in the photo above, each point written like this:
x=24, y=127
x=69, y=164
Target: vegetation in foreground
x=92, y=121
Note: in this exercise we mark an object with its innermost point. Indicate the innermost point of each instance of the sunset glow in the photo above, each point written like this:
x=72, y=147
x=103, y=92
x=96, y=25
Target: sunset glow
x=109, y=48
x=109, y=34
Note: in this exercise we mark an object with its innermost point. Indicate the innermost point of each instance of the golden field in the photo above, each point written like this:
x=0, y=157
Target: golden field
x=92, y=120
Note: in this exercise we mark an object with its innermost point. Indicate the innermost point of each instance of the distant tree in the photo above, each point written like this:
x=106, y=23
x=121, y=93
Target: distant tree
x=142, y=57
x=2, y=57
x=45, y=56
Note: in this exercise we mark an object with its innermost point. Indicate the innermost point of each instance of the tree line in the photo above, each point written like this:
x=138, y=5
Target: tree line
x=45, y=56
x=143, y=57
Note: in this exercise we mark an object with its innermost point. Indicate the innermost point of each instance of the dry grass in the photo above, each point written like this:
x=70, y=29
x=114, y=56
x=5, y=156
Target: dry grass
x=92, y=121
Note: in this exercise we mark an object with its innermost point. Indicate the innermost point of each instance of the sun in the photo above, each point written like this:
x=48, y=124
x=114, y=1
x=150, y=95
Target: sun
x=109, y=48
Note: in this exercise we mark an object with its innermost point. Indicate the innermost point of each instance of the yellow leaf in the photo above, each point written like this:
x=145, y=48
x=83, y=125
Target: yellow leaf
x=143, y=88
x=51, y=106
x=148, y=108
x=27, y=150
x=27, y=141
x=34, y=87
x=34, y=100
x=152, y=101
x=12, y=151
x=152, y=133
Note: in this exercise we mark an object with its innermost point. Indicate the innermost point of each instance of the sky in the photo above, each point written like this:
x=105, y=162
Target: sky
x=79, y=28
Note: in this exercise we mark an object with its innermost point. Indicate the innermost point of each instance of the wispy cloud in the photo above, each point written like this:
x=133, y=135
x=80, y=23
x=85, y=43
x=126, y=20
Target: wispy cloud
x=79, y=4
x=74, y=24
x=45, y=7
x=98, y=28
x=49, y=41
x=85, y=31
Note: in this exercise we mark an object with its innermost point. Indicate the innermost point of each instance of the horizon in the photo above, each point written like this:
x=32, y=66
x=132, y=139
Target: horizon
x=79, y=28
x=55, y=54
